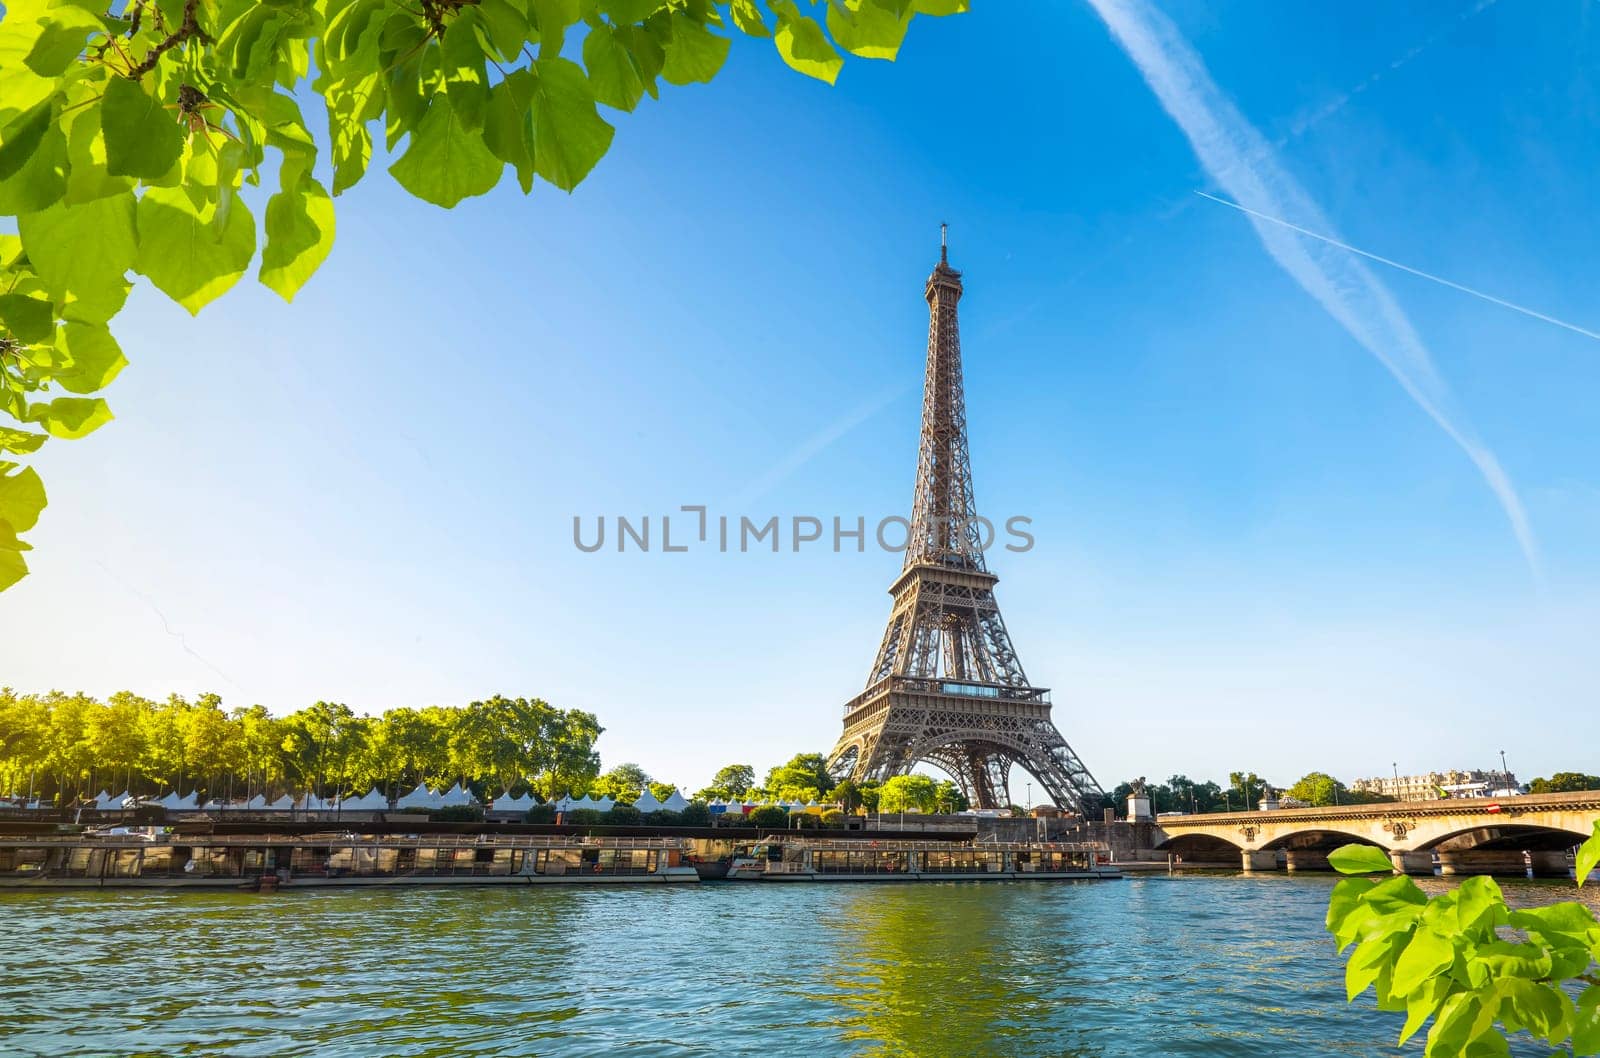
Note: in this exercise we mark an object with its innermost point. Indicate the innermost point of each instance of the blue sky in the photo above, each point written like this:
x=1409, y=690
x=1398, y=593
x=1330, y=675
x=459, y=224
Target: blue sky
x=1254, y=550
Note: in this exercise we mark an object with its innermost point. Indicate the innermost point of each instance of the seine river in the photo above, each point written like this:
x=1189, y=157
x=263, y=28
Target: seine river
x=1148, y=966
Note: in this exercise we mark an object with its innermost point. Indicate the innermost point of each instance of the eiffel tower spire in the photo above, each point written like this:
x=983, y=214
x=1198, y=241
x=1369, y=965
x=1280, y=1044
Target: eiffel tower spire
x=944, y=517
x=946, y=687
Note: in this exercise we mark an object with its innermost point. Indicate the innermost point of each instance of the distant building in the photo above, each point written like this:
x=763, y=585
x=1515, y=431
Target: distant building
x=1438, y=784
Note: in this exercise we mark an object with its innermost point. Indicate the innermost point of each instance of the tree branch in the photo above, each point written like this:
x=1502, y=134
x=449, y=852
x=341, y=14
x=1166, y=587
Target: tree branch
x=189, y=29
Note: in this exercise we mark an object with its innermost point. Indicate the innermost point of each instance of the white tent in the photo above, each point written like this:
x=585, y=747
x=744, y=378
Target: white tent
x=647, y=803
x=256, y=803
x=421, y=797
x=372, y=801
x=603, y=804
x=106, y=801
x=282, y=804
x=172, y=802
x=456, y=796
x=675, y=803
x=313, y=803
x=507, y=803
x=567, y=804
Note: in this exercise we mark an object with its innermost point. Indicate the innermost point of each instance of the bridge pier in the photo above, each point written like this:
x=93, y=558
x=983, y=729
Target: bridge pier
x=1507, y=863
x=1412, y=863
x=1260, y=860
x=1306, y=860
x=1550, y=864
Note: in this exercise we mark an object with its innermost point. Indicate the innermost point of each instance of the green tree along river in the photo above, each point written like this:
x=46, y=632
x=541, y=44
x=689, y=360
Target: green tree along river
x=1149, y=966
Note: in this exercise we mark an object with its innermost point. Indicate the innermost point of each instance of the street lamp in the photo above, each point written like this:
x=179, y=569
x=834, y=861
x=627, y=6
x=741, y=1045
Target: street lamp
x=1505, y=773
x=1030, y=796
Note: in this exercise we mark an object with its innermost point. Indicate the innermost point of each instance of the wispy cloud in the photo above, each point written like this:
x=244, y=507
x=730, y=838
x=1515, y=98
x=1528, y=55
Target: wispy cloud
x=812, y=446
x=1441, y=280
x=1240, y=160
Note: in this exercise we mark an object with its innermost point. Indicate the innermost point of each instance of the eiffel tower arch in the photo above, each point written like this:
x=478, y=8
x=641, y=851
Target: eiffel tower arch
x=946, y=687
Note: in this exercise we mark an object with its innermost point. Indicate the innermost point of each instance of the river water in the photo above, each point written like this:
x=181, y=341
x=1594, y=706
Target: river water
x=1197, y=965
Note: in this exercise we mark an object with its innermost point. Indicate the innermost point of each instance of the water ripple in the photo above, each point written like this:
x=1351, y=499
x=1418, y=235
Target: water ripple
x=1151, y=966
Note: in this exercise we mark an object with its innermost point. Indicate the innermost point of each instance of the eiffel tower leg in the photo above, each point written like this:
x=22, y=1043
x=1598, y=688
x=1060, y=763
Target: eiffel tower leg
x=1068, y=783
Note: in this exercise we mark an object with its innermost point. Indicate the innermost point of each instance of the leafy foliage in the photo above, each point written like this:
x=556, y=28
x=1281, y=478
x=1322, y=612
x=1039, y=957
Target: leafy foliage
x=804, y=778
x=1318, y=789
x=1479, y=971
x=1565, y=782
x=134, y=139
x=623, y=784
x=70, y=745
x=734, y=780
x=770, y=816
x=908, y=793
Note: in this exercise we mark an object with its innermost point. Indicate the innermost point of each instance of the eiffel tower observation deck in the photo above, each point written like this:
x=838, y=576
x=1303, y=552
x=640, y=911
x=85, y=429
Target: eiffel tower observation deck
x=947, y=687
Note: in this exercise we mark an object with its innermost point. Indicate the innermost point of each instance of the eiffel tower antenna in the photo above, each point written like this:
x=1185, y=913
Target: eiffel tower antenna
x=947, y=687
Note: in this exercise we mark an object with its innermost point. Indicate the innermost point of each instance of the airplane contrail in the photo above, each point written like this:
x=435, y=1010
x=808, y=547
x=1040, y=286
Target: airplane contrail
x=1502, y=302
x=1240, y=160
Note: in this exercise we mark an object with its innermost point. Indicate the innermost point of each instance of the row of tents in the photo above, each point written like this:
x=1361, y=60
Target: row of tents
x=424, y=799
x=374, y=800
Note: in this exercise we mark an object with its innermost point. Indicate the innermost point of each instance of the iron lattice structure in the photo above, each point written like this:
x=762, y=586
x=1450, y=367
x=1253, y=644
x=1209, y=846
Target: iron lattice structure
x=947, y=687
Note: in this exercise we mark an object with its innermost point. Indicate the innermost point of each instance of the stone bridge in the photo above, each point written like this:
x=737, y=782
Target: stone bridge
x=1468, y=835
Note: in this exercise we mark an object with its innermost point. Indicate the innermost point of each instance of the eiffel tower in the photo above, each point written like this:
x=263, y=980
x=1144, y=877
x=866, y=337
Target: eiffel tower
x=947, y=687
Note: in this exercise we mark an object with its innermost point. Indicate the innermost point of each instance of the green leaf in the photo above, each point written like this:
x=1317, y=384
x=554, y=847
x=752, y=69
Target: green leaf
x=508, y=128
x=569, y=135
x=506, y=26
x=940, y=7
x=445, y=162
x=94, y=357
x=299, y=225
x=747, y=16
x=70, y=417
x=1360, y=859
x=33, y=161
x=1480, y=902
x=12, y=568
x=1371, y=958
x=82, y=253
x=87, y=176
x=613, y=71
x=1537, y=1008
x=626, y=12
x=32, y=320
x=1422, y=1004
x=1565, y=922
x=802, y=44
x=1345, y=900
x=181, y=254
x=1504, y=959
x=464, y=76
x=1588, y=855
x=871, y=29
x=142, y=138
x=1586, y=1024
x=65, y=32
x=1427, y=956
x=21, y=442
x=694, y=53
x=21, y=499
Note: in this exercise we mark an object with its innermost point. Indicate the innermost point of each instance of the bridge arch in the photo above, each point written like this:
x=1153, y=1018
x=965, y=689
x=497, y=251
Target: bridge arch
x=1200, y=846
x=1530, y=837
x=1321, y=839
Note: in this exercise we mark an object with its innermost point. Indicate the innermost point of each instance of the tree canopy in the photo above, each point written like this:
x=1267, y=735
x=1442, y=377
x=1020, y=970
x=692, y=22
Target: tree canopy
x=61, y=745
x=134, y=138
x=1565, y=782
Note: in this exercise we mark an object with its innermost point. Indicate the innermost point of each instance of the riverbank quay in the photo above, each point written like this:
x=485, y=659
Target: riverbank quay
x=270, y=856
x=811, y=859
